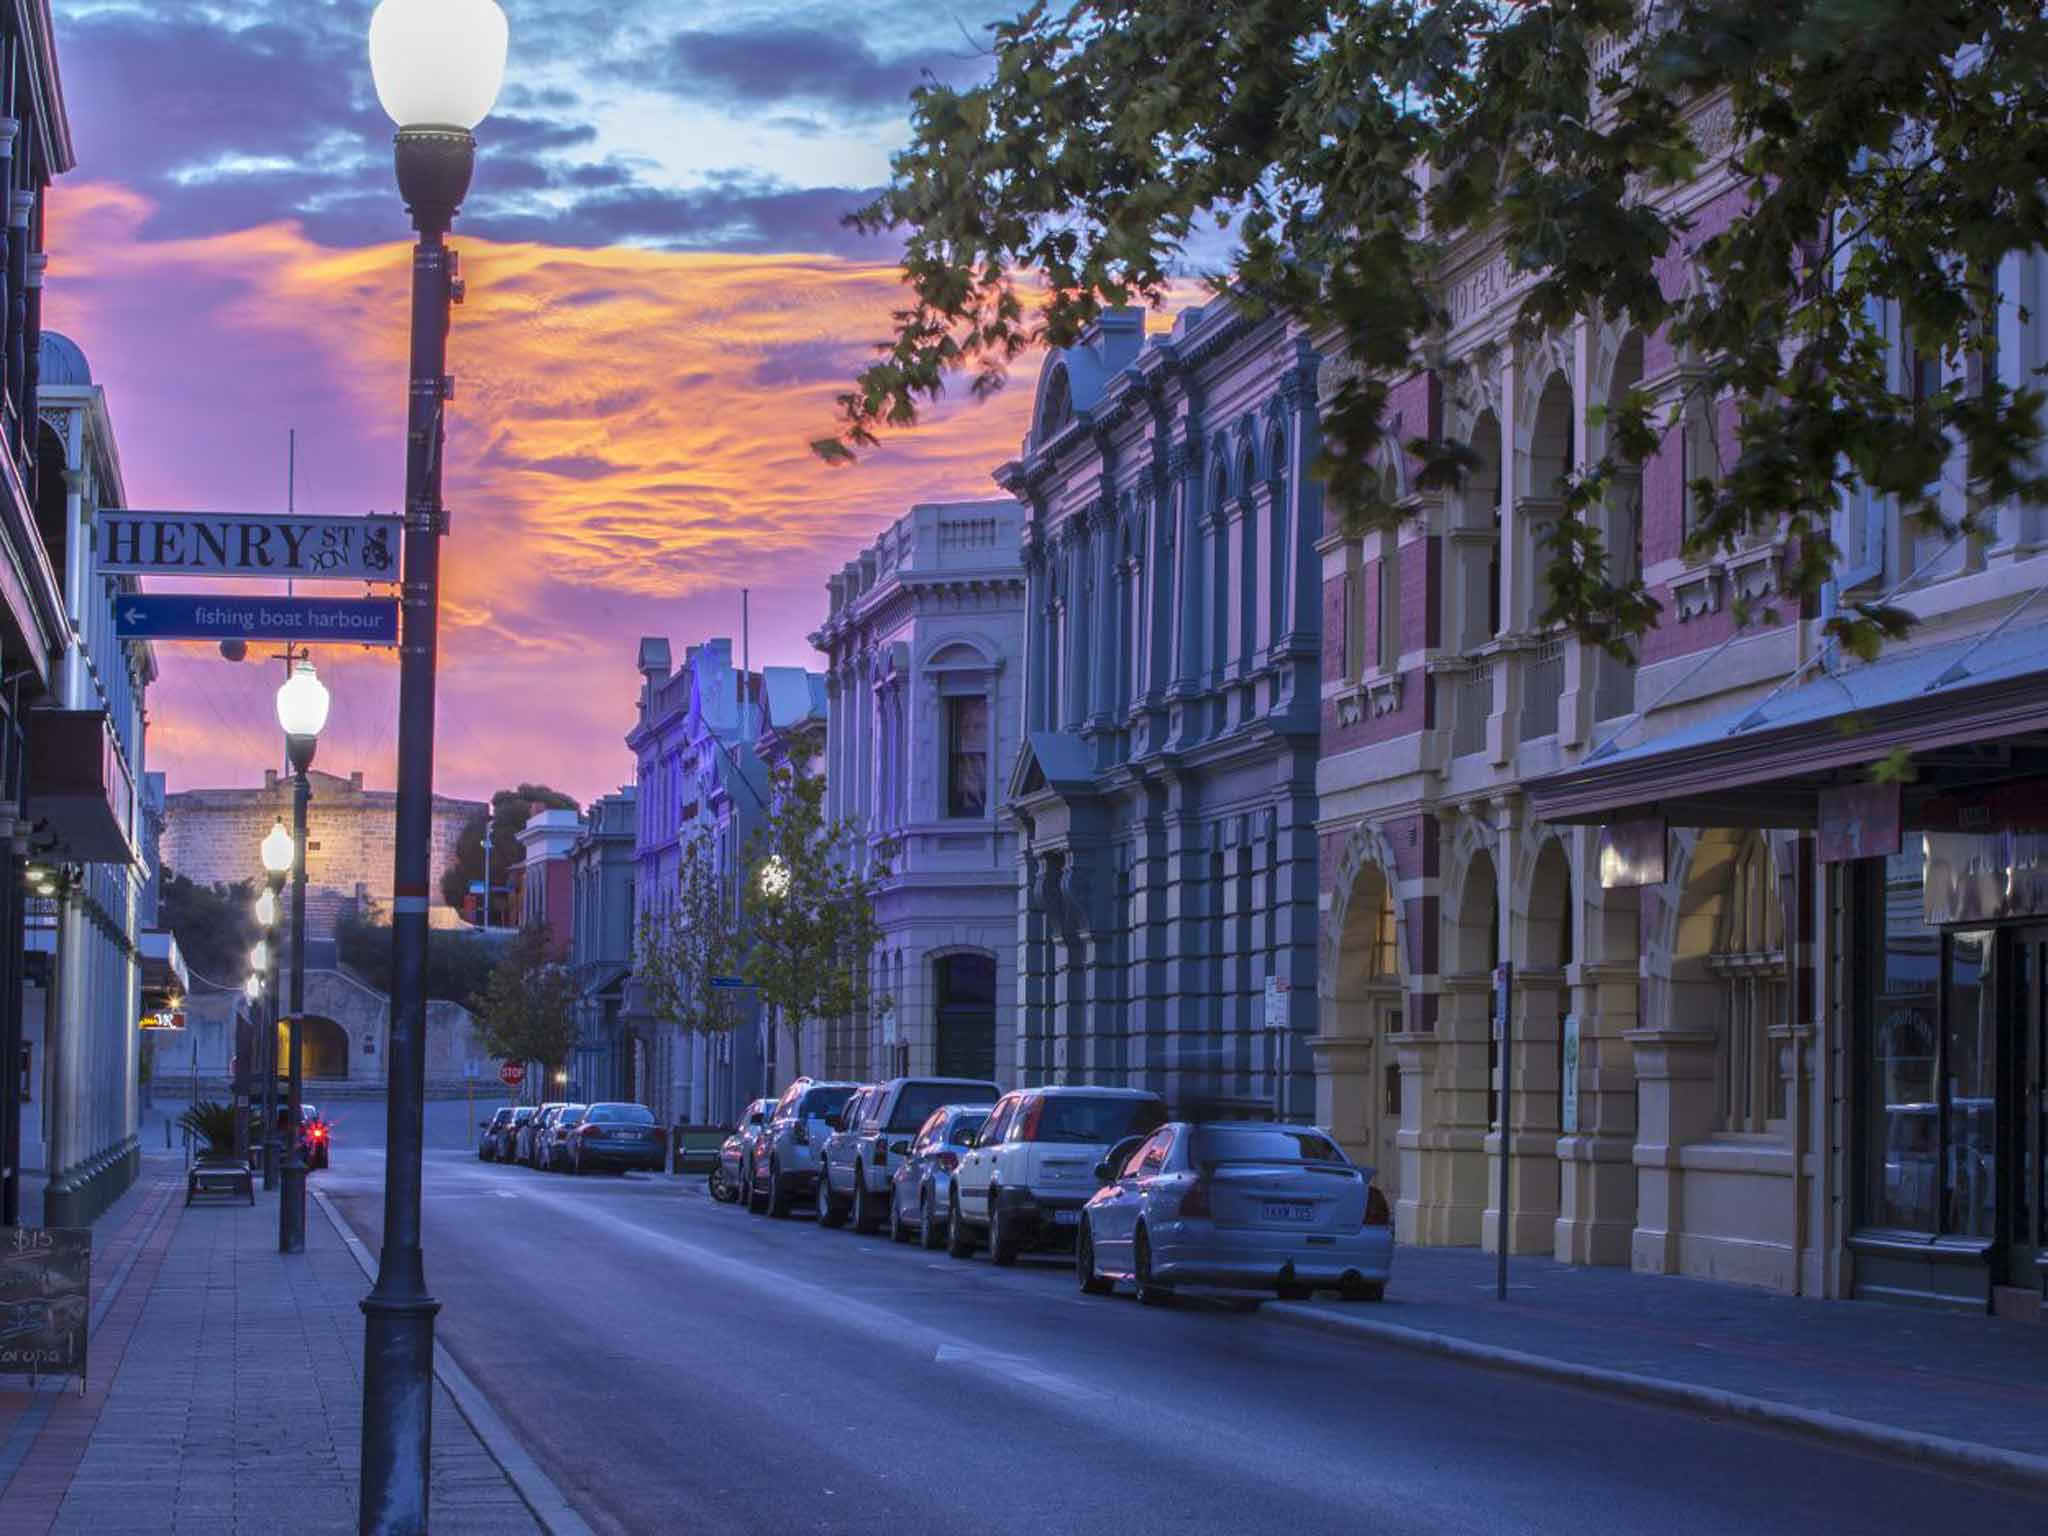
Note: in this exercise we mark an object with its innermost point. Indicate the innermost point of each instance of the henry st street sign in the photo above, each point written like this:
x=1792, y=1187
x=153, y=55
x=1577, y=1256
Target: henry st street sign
x=271, y=545
x=209, y=616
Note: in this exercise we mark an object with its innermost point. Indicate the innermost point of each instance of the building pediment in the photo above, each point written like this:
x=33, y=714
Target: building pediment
x=1053, y=760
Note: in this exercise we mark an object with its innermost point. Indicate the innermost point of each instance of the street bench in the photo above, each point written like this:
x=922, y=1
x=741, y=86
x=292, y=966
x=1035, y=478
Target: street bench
x=220, y=1180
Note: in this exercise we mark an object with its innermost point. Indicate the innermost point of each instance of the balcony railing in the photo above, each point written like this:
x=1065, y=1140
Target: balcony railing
x=1542, y=687
x=1474, y=705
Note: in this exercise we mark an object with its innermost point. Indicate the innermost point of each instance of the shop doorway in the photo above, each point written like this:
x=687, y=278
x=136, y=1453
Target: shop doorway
x=2026, y=1195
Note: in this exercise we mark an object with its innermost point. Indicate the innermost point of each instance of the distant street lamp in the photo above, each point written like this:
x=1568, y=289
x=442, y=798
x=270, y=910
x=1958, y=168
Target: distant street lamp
x=438, y=65
x=276, y=850
x=302, y=711
x=266, y=908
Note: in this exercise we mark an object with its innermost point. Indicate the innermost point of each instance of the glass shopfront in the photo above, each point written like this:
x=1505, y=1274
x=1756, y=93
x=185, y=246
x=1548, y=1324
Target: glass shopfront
x=1952, y=1036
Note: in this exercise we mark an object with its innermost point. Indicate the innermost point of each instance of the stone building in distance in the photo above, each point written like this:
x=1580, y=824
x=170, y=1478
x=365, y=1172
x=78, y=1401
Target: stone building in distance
x=211, y=836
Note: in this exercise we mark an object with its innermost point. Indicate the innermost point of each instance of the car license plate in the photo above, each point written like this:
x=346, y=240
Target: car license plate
x=1066, y=1218
x=1298, y=1211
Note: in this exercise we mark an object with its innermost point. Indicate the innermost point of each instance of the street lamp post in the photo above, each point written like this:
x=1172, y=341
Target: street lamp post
x=266, y=919
x=302, y=711
x=252, y=988
x=438, y=65
x=261, y=960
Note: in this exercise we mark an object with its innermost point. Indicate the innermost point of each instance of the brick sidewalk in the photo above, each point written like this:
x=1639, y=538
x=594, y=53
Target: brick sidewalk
x=224, y=1392
x=1971, y=1378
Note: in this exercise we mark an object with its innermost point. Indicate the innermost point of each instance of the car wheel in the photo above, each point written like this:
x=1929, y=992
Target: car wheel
x=1297, y=1292
x=930, y=1234
x=959, y=1241
x=749, y=1196
x=1002, y=1246
x=1084, y=1264
x=863, y=1202
x=830, y=1213
x=1365, y=1290
x=1150, y=1292
x=778, y=1193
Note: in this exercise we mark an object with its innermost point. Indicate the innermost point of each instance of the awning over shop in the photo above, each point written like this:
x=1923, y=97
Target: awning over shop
x=163, y=967
x=78, y=786
x=1969, y=713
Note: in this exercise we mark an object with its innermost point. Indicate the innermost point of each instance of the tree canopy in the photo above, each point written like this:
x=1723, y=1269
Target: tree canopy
x=528, y=1005
x=1888, y=155
x=510, y=811
x=214, y=924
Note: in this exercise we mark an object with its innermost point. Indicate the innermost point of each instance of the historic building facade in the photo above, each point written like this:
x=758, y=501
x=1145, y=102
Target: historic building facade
x=924, y=643
x=1165, y=794
x=601, y=883
x=1757, y=1033
x=86, y=804
x=698, y=777
x=211, y=836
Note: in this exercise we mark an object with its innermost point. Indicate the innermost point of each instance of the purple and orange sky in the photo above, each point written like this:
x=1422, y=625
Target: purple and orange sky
x=662, y=305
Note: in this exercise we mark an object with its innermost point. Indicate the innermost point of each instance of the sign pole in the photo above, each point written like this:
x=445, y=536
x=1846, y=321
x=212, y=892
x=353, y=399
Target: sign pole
x=1504, y=1010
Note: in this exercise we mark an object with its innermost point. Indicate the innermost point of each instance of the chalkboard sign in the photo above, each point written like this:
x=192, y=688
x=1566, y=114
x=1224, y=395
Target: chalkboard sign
x=45, y=1300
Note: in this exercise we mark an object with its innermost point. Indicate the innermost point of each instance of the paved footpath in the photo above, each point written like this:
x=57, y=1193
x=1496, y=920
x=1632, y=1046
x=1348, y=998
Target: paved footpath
x=1929, y=1377
x=224, y=1390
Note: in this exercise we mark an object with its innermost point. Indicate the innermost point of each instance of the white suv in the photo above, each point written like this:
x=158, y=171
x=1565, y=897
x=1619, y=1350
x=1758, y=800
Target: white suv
x=1032, y=1167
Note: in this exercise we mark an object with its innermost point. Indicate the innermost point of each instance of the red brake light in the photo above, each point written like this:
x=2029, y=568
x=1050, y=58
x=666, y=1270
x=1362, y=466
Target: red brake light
x=587, y=1130
x=1377, y=1212
x=948, y=1160
x=1194, y=1204
x=319, y=1130
x=1030, y=1131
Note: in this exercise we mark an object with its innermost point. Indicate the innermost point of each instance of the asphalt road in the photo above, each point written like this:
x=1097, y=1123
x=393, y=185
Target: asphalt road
x=679, y=1365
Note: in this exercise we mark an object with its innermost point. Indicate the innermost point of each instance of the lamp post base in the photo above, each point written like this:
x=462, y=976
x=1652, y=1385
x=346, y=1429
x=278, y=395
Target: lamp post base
x=291, y=1206
x=398, y=1388
x=270, y=1161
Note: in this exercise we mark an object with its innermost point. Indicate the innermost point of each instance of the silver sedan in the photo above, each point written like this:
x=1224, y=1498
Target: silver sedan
x=1240, y=1207
x=920, y=1191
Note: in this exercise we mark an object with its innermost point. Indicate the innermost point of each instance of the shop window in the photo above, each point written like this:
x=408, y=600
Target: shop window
x=1969, y=1082
x=967, y=755
x=1748, y=960
x=1902, y=1161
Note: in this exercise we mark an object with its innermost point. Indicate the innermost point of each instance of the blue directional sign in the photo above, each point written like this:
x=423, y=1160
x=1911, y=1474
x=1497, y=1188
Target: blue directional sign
x=730, y=983
x=308, y=620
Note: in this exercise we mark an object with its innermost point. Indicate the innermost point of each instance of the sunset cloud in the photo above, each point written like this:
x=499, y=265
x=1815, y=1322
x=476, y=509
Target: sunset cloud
x=628, y=447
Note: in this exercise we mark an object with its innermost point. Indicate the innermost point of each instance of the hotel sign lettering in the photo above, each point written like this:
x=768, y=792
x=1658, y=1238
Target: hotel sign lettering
x=270, y=546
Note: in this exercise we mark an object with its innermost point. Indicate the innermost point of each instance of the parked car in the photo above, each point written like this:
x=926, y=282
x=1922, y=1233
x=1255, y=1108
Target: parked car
x=1237, y=1206
x=876, y=1129
x=1031, y=1168
x=731, y=1174
x=786, y=1157
x=921, y=1183
x=530, y=1134
x=505, y=1146
x=838, y=1149
x=616, y=1136
x=487, y=1141
x=554, y=1146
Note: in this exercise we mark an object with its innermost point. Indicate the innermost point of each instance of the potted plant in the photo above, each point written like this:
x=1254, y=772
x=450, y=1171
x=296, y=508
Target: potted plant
x=215, y=1123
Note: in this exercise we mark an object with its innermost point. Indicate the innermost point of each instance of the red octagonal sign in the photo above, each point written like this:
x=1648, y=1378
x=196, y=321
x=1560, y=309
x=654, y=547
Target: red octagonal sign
x=512, y=1074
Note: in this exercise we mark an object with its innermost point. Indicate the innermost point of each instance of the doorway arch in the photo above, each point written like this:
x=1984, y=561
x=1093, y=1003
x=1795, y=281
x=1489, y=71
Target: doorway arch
x=324, y=1048
x=1355, y=1054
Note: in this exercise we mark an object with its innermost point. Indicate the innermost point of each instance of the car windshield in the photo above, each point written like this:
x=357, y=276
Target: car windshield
x=570, y=1115
x=622, y=1114
x=916, y=1102
x=521, y=1116
x=1088, y=1121
x=824, y=1103
x=1264, y=1143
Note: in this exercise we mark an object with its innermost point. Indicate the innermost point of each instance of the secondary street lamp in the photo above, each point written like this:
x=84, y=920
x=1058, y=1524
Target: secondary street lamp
x=302, y=711
x=438, y=65
x=277, y=862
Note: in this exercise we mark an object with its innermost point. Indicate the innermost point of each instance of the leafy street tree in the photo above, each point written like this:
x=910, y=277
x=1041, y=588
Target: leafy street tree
x=528, y=1007
x=808, y=899
x=682, y=948
x=1888, y=153
x=214, y=925
x=510, y=811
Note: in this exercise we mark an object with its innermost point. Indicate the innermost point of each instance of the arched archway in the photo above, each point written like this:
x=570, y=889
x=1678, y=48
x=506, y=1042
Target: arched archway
x=1355, y=1058
x=325, y=1047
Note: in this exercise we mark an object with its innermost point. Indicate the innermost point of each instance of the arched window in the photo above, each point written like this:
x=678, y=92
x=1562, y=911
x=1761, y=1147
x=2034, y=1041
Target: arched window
x=1748, y=960
x=1059, y=404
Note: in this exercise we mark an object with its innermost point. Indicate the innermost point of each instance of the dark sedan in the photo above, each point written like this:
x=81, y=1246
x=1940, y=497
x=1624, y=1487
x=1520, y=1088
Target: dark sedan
x=615, y=1136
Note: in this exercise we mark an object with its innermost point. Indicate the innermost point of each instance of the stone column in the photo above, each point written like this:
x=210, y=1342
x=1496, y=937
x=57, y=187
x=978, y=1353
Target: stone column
x=1675, y=1084
x=1425, y=1176
x=1110, y=639
x=1455, y=1129
x=1185, y=467
x=1596, y=1206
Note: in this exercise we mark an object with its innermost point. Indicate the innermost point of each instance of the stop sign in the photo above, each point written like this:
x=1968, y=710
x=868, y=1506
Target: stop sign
x=512, y=1074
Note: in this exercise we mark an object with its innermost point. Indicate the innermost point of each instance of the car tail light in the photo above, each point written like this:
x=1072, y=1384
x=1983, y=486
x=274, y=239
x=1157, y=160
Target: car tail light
x=881, y=1150
x=948, y=1160
x=1194, y=1204
x=1377, y=1212
x=1031, y=1117
x=589, y=1130
x=318, y=1131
